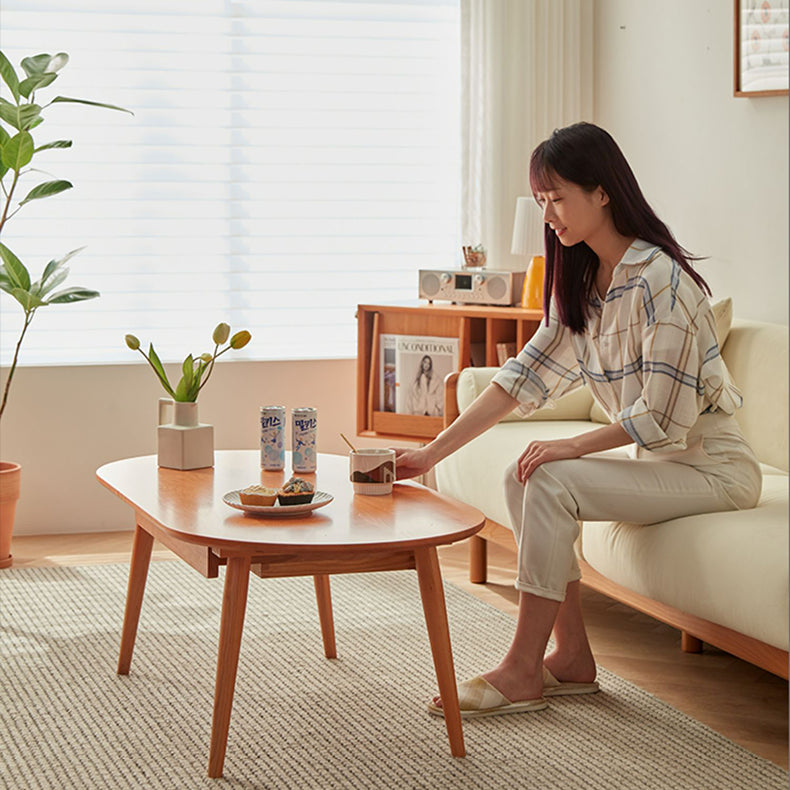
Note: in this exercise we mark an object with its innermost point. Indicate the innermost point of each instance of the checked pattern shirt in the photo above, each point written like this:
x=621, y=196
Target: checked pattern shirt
x=649, y=354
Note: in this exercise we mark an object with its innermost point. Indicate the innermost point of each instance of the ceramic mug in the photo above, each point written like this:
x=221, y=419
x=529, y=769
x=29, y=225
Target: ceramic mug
x=372, y=471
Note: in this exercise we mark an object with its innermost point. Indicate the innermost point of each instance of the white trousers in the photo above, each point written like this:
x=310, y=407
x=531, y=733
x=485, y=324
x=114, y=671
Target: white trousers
x=717, y=472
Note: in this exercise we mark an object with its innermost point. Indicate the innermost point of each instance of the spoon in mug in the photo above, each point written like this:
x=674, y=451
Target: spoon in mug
x=353, y=449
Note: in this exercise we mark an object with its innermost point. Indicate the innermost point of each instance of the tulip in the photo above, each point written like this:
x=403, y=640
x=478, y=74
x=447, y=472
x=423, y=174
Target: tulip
x=132, y=342
x=240, y=339
x=221, y=333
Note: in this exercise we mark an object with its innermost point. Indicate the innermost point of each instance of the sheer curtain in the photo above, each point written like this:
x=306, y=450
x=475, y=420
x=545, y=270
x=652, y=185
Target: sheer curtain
x=287, y=160
x=526, y=70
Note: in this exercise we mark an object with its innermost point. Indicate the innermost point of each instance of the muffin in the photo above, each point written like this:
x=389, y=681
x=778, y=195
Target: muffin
x=296, y=492
x=258, y=495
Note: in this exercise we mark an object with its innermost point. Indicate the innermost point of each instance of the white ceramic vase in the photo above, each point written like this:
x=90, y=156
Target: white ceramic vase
x=183, y=443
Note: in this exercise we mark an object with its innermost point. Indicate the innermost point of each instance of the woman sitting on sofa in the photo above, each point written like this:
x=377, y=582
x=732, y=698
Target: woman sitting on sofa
x=626, y=314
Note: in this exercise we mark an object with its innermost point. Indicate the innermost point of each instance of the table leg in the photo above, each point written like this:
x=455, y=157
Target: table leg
x=138, y=573
x=323, y=596
x=433, y=605
x=234, y=604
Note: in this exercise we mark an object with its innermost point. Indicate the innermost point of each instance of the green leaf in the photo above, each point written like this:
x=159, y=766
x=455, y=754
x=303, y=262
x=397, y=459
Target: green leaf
x=54, y=144
x=156, y=364
x=26, y=87
x=4, y=138
x=181, y=393
x=188, y=370
x=48, y=283
x=28, y=300
x=68, y=295
x=9, y=76
x=14, y=269
x=46, y=189
x=56, y=265
x=91, y=103
x=18, y=151
x=10, y=114
x=23, y=117
x=38, y=64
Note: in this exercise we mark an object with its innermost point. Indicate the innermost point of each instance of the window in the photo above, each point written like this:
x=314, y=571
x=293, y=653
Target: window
x=286, y=161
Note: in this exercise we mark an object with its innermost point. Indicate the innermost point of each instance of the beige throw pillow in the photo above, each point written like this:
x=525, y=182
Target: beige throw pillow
x=722, y=314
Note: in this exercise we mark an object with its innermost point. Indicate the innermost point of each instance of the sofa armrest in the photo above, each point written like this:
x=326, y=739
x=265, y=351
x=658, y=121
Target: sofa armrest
x=451, y=410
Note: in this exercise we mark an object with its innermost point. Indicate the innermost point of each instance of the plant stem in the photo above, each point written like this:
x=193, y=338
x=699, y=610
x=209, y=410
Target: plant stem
x=5, y=208
x=28, y=319
x=211, y=366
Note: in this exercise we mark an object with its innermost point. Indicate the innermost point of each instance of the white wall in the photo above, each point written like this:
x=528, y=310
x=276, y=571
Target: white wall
x=715, y=168
x=62, y=423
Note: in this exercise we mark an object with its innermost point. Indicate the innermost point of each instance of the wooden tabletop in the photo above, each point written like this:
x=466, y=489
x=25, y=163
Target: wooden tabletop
x=189, y=504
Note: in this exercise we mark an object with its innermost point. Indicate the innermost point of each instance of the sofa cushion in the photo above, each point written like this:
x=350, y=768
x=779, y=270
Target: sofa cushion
x=730, y=568
x=756, y=355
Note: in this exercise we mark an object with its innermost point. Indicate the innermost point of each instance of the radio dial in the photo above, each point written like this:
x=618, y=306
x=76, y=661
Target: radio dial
x=479, y=280
x=445, y=278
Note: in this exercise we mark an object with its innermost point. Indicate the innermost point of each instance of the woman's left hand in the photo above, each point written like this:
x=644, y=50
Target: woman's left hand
x=538, y=453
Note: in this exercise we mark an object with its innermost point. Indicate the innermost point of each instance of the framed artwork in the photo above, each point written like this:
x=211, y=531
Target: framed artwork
x=761, y=47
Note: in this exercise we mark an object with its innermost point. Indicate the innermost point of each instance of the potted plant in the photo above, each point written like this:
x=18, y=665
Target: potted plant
x=17, y=150
x=185, y=443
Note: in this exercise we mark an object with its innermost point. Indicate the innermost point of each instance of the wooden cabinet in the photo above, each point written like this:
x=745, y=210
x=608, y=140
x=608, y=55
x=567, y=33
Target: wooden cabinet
x=478, y=328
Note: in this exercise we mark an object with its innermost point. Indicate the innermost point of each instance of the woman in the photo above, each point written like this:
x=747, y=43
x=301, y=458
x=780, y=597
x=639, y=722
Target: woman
x=426, y=395
x=626, y=314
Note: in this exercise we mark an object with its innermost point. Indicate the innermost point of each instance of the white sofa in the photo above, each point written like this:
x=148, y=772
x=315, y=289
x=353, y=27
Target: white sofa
x=720, y=578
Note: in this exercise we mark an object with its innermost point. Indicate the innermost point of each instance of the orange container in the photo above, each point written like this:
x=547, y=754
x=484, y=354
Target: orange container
x=533, y=283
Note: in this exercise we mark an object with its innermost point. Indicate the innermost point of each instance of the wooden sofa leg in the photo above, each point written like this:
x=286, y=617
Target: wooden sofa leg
x=478, y=560
x=689, y=643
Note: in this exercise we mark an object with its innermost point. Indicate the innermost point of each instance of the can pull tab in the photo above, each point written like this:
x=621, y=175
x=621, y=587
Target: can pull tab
x=163, y=405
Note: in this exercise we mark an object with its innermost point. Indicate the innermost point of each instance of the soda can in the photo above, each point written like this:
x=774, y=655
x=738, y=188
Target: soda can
x=304, y=427
x=272, y=437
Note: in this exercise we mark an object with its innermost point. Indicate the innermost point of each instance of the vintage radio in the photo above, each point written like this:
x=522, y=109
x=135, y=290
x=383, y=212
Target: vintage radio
x=471, y=286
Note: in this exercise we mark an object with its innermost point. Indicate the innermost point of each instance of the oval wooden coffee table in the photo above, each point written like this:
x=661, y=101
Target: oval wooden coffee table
x=184, y=510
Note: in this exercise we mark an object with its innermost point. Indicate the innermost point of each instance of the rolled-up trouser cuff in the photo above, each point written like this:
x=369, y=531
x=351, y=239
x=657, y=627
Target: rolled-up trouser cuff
x=540, y=592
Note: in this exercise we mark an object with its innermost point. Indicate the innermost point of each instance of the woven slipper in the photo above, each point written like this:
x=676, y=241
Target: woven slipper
x=555, y=688
x=478, y=698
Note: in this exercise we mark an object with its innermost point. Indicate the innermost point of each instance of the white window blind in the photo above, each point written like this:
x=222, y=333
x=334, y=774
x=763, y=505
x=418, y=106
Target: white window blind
x=286, y=162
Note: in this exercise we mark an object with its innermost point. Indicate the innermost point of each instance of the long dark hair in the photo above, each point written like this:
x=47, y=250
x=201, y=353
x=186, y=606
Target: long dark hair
x=588, y=156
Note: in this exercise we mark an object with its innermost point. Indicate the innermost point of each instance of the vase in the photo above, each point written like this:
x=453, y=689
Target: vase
x=183, y=443
x=10, y=476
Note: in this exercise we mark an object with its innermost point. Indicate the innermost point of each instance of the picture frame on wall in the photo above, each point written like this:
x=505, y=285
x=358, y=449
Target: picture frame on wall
x=761, y=47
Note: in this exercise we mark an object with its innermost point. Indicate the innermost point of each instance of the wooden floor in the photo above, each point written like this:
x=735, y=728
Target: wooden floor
x=742, y=702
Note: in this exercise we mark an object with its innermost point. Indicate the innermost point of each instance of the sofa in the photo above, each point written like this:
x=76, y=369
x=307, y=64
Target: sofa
x=719, y=578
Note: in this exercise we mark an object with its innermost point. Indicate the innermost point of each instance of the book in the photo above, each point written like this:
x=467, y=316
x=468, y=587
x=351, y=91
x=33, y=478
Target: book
x=387, y=375
x=504, y=351
x=421, y=364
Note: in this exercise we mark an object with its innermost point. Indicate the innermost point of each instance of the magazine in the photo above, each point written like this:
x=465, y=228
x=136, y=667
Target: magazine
x=387, y=375
x=421, y=364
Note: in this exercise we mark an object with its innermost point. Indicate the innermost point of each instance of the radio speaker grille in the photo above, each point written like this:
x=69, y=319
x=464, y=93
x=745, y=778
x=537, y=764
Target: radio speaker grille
x=430, y=284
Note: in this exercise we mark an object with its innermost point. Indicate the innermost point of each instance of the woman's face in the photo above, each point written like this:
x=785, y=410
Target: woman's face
x=426, y=365
x=573, y=213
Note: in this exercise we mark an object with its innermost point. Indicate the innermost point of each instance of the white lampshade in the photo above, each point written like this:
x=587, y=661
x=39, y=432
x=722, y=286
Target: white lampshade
x=527, y=228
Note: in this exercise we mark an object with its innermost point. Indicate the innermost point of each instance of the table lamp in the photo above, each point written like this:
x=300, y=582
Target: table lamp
x=528, y=240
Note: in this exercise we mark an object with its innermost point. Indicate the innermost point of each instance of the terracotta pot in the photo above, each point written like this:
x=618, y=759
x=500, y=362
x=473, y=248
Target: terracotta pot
x=10, y=476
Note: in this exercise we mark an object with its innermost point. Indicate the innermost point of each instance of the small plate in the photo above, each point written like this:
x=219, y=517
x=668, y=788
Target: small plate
x=320, y=498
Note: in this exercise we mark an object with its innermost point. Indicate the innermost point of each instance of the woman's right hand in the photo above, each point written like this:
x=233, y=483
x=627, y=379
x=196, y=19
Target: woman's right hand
x=411, y=462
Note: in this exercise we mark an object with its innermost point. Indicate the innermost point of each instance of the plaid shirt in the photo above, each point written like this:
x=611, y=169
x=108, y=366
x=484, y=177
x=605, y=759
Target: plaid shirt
x=649, y=354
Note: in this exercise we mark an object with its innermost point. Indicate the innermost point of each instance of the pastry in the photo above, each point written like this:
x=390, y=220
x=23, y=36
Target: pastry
x=258, y=495
x=296, y=492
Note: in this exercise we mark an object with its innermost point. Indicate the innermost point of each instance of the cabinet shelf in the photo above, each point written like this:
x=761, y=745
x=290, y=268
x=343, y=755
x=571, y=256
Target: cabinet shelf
x=478, y=329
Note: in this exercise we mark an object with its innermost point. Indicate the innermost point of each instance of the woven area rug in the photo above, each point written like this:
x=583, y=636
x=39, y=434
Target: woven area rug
x=300, y=720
